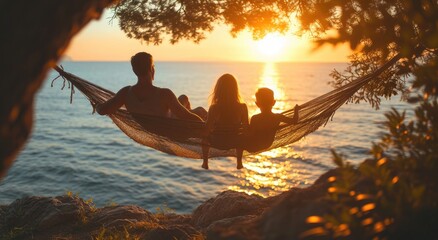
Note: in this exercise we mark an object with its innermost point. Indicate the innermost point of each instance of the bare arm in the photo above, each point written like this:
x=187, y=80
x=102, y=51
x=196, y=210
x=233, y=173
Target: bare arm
x=114, y=103
x=251, y=129
x=245, y=120
x=211, y=119
x=293, y=120
x=177, y=109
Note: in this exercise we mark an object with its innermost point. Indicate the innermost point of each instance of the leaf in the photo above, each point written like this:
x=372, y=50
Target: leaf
x=337, y=159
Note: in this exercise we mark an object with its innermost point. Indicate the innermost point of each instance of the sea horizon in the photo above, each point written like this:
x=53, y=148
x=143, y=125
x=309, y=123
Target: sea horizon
x=210, y=61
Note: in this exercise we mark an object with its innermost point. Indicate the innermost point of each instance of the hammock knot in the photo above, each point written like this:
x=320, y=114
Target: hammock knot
x=94, y=106
x=65, y=82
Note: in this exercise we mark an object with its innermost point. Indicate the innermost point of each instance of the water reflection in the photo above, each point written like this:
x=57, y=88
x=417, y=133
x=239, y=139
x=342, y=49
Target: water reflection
x=267, y=173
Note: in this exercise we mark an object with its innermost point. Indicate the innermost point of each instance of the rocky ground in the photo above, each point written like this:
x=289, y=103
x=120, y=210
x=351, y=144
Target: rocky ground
x=229, y=215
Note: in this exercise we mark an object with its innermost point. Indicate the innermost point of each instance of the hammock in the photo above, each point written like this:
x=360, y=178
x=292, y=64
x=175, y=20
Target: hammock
x=183, y=138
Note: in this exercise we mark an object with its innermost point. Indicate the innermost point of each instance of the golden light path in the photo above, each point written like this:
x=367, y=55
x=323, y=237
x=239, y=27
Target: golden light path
x=267, y=173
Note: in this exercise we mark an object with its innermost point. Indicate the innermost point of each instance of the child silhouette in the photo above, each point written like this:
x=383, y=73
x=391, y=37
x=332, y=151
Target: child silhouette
x=263, y=126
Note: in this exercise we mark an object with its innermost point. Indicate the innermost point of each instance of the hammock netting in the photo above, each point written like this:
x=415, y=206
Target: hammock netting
x=183, y=138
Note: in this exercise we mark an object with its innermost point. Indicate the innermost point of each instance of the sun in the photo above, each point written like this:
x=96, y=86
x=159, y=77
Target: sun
x=272, y=46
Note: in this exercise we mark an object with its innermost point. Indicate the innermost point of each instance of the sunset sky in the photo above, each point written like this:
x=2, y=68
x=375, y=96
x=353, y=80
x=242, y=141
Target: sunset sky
x=103, y=40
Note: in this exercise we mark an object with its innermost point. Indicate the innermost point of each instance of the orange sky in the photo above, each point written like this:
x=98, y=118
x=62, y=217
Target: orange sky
x=103, y=40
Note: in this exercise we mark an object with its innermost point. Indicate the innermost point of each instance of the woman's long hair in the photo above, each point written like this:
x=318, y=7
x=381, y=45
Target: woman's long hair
x=226, y=91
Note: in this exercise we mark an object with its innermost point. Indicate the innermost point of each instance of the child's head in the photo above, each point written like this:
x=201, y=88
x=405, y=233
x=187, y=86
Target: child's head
x=226, y=91
x=265, y=98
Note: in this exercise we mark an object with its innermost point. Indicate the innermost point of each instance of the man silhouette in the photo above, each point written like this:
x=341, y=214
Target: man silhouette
x=144, y=97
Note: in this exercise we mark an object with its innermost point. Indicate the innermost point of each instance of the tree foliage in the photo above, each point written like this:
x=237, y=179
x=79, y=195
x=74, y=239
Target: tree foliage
x=378, y=30
x=153, y=20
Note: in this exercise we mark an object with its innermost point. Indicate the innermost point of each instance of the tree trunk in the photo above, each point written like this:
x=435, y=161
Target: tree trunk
x=35, y=35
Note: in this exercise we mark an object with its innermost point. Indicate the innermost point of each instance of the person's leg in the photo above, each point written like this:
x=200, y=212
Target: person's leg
x=239, y=153
x=184, y=100
x=200, y=111
x=205, y=151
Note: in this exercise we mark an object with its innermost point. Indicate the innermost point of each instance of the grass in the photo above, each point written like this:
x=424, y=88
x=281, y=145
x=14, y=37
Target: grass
x=111, y=203
x=162, y=211
x=82, y=209
x=108, y=234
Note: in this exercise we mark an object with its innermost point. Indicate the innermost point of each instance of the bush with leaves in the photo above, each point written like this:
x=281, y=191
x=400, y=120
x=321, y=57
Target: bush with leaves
x=393, y=195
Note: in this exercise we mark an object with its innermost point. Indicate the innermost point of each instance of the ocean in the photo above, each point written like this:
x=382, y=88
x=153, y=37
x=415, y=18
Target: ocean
x=72, y=150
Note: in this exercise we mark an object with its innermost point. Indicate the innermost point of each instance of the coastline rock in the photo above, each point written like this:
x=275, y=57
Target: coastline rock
x=70, y=217
x=116, y=216
x=182, y=232
x=277, y=218
x=229, y=215
x=42, y=213
x=236, y=228
x=227, y=204
x=287, y=218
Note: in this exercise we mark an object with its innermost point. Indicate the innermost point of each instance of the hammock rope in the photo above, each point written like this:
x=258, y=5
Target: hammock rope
x=183, y=138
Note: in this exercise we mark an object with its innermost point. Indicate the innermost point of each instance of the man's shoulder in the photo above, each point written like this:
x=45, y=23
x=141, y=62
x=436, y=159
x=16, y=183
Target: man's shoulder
x=165, y=92
x=123, y=91
x=126, y=88
x=162, y=89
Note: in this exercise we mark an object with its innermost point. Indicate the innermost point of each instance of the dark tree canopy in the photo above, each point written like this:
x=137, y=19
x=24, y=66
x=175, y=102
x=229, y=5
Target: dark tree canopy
x=37, y=33
x=153, y=20
x=388, y=26
x=376, y=29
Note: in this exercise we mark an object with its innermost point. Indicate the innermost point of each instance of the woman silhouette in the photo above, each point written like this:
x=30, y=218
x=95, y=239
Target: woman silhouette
x=227, y=117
